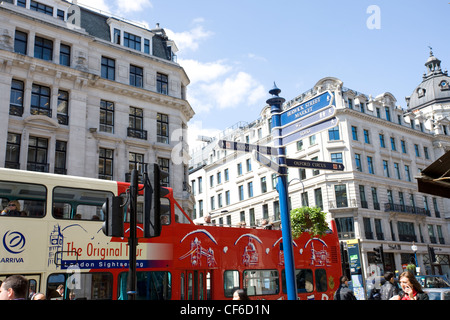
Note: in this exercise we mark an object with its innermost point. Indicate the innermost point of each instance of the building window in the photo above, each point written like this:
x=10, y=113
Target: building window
x=318, y=198
x=164, y=166
x=407, y=173
x=116, y=39
x=20, y=42
x=393, y=147
x=250, y=189
x=213, y=205
x=136, y=124
x=106, y=116
x=63, y=107
x=227, y=197
x=382, y=144
x=241, y=193
x=227, y=175
x=403, y=144
x=397, y=170
x=162, y=129
x=135, y=161
x=43, y=48
x=305, y=201
x=37, y=154
x=386, y=169
x=425, y=152
x=302, y=173
x=162, y=83
x=345, y=228
x=60, y=14
x=39, y=7
x=336, y=157
x=60, y=157
x=355, y=133
x=358, y=162
x=376, y=204
x=370, y=165
x=40, y=101
x=22, y=3
x=333, y=133
x=406, y=231
x=200, y=185
x=416, y=149
x=362, y=197
x=388, y=113
x=136, y=76
x=108, y=68
x=106, y=164
x=248, y=163
x=300, y=145
x=64, y=55
x=13, y=151
x=147, y=46
x=219, y=177
x=263, y=185
x=16, y=98
x=366, y=136
x=340, y=191
x=132, y=41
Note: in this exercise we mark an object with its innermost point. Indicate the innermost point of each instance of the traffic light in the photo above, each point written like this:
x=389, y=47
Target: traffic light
x=379, y=254
x=113, y=212
x=152, y=202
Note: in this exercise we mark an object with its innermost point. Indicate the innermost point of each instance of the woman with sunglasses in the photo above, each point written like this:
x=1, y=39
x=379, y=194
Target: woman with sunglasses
x=13, y=209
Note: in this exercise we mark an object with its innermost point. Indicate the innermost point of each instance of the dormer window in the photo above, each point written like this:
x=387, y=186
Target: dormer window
x=444, y=85
x=421, y=92
x=132, y=41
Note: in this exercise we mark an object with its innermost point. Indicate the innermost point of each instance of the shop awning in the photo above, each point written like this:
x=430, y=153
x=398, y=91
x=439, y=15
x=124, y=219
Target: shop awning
x=435, y=179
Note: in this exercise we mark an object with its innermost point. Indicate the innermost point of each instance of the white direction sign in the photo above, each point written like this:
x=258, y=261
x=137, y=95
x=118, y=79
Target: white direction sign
x=265, y=161
x=327, y=124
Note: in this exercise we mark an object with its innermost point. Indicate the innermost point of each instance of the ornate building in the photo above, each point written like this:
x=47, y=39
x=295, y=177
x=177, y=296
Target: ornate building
x=375, y=199
x=90, y=94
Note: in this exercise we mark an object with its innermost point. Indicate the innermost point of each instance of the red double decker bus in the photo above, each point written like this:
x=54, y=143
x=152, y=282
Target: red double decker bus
x=54, y=238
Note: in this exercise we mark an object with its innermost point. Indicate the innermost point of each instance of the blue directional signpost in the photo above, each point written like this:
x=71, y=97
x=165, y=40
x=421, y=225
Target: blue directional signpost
x=303, y=120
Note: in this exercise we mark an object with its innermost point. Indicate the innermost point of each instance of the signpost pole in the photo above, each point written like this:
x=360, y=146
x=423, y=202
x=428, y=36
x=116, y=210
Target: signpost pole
x=275, y=102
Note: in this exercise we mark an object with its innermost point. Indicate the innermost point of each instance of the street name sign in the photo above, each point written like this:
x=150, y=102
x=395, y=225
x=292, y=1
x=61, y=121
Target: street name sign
x=307, y=108
x=306, y=122
x=312, y=164
x=327, y=124
x=265, y=161
x=247, y=147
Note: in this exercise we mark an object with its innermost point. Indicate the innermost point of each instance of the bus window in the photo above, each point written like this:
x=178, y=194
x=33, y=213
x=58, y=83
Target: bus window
x=304, y=278
x=261, y=282
x=80, y=286
x=22, y=199
x=321, y=280
x=79, y=204
x=230, y=282
x=151, y=285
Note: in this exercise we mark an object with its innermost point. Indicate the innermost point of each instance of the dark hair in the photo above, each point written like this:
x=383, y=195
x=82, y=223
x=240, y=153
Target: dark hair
x=19, y=284
x=388, y=276
x=242, y=294
x=412, y=279
x=342, y=279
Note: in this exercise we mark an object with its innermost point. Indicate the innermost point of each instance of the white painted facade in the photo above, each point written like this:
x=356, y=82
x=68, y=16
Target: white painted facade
x=369, y=204
x=89, y=37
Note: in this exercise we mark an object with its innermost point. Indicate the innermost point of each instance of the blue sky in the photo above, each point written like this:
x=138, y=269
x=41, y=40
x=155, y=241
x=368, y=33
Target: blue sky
x=234, y=50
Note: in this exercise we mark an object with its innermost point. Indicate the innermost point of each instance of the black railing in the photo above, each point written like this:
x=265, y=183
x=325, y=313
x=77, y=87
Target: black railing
x=394, y=207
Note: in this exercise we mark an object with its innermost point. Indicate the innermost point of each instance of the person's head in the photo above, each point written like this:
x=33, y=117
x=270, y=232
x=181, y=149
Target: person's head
x=60, y=289
x=14, y=287
x=38, y=296
x=240, y=294
x=13, y=205
x=388, y=276
x=408, y=281
x=207, y=218
x=343, y=279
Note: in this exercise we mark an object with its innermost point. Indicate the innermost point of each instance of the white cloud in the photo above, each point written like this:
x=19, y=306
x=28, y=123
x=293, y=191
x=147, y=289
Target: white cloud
x=189, y=40
x=126, y=6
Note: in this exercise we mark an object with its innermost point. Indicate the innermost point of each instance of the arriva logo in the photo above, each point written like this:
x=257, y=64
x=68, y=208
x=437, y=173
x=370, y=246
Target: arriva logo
x=14, y=242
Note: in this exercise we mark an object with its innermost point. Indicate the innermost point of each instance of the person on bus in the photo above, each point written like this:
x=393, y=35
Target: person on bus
x=344, y=292
x=14, y=287
x=240, y=294
x=13, y=209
